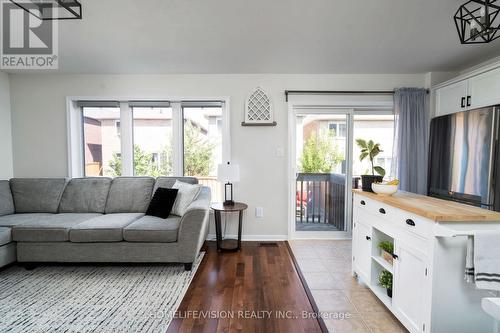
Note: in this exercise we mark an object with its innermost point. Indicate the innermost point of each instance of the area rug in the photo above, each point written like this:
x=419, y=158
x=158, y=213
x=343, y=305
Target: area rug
x=134, y=298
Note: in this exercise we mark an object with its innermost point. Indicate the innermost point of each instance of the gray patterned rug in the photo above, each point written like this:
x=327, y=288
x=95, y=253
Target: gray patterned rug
x=92, y=298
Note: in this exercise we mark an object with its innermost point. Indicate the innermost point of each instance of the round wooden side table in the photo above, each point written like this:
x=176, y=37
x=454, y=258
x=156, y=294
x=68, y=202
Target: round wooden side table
x=219, y=208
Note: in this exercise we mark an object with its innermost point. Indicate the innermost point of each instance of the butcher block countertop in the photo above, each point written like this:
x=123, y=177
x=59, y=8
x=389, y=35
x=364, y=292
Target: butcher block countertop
x=433, y=208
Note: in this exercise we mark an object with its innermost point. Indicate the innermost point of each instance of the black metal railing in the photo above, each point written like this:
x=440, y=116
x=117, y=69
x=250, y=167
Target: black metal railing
x=320, y=198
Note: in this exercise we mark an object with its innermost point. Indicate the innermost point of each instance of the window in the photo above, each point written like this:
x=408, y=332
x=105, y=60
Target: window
x=152, y=141
x=202, y=145
x=149, y=138
x=339, y=130
x=101, y=141
x=118, y=129
x=155, y=159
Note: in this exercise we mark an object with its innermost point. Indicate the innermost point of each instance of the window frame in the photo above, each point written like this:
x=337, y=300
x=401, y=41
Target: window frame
x=75, y=137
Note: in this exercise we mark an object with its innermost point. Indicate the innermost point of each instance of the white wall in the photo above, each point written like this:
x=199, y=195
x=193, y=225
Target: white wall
x=40, y=140
x=6, y=170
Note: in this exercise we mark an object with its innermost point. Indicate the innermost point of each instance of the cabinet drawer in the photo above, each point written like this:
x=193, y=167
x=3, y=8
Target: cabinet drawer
x=372, y=206
x=412, y=223
x=362, y=202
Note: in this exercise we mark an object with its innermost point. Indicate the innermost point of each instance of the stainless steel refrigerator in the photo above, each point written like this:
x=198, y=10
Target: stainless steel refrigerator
x=464, y=162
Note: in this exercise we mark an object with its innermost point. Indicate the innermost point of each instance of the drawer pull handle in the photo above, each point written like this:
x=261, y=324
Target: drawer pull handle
x=410, y=222
x=381, y=211
x=363, y=202
x=395, y=256
x=368, y=238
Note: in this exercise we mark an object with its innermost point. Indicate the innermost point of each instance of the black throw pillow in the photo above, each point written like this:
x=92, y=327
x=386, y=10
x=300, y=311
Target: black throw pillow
x=162, y=202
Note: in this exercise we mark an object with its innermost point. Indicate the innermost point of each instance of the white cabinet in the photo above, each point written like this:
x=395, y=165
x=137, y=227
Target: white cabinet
x=362, y=256
x=484, y=89
x=451, y=99
x=408, y=283
x=472, y=92
x=429, y=293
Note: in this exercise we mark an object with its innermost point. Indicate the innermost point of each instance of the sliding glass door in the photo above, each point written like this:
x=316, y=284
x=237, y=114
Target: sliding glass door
x=326, y=164
x=322, y=179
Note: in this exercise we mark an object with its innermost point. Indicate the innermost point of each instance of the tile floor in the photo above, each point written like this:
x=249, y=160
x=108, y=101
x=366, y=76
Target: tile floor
x=352, y=307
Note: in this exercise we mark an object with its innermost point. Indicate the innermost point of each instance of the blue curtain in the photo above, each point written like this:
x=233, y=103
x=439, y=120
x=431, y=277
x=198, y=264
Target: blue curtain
x=411, y=139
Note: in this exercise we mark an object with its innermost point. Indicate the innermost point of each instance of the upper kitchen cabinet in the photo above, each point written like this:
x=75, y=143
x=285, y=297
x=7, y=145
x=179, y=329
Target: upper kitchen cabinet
x=484, y=89
x=451, y=98
x=477, y=90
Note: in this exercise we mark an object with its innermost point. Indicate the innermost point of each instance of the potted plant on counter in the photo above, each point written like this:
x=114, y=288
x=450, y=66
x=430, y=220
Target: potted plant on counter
x=385, y=281
x=386, y=251
x=370, y=150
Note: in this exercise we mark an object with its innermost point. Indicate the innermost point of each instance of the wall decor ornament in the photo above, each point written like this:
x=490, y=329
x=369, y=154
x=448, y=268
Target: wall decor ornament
x=258, y=109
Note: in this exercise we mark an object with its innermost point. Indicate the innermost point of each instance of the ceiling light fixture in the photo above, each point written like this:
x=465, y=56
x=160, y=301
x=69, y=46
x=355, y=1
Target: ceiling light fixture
x=52, y=9
x=477, y=21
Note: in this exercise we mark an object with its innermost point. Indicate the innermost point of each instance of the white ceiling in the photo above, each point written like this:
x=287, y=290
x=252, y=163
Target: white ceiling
x=266, y=36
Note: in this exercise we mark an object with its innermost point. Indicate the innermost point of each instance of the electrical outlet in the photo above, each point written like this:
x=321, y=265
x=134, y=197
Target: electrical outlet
x=259, y=212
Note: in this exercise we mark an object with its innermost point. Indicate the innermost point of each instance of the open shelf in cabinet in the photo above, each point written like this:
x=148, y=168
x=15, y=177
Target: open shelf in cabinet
x=376, y=255
x=379, y=264
x=378, y=290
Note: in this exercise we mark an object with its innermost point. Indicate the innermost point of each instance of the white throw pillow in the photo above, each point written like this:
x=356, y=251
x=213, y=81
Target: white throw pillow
x=187, y=194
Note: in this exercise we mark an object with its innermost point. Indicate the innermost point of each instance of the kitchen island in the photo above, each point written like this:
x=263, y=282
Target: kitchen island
x=429, y=293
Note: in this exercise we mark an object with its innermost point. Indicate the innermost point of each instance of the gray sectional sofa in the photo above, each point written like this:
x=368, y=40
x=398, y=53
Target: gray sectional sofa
x=96, y=220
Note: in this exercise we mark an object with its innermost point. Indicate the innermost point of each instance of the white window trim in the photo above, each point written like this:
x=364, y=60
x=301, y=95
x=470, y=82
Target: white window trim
x=74, y=121
x=127, y=139
x=177, y=139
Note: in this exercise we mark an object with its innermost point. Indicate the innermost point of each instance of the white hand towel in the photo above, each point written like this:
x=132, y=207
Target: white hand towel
x=487, y=260
x=469, y=260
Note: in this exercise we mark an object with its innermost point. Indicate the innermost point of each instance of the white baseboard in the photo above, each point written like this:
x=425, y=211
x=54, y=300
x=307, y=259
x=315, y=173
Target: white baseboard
x=211, y=237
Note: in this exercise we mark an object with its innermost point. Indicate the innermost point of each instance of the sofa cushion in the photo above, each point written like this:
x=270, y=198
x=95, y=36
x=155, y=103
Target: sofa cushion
x=85, y=195
x=6, y=201
x=37, y=195
x=153, y=230
x=168, y=182
x=187, y=193
x=162, y=202
x=54, y=228
x=17, y=219
x=129, y=195
x=105, y=228
x=5, y=236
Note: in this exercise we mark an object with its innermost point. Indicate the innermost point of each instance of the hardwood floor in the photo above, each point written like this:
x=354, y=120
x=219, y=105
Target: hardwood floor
x=254, y=290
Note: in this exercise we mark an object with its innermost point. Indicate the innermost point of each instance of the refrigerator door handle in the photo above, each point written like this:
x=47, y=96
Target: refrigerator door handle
x=495, y=159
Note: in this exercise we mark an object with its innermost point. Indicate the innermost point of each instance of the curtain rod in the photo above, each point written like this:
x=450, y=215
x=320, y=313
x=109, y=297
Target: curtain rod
x=339, y=92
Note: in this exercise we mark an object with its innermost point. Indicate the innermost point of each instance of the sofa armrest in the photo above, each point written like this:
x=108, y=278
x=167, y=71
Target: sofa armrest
x=193, y=227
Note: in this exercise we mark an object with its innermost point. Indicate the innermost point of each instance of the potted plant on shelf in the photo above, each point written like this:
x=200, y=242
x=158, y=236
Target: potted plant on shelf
x=385, y=281
x=386, y=251
x=370, y=150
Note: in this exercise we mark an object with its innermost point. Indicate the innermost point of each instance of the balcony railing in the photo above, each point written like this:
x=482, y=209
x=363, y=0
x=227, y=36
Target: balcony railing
x=320, y=199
